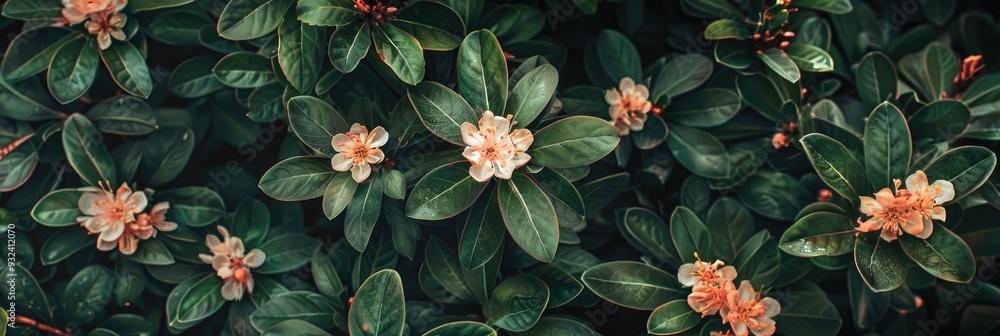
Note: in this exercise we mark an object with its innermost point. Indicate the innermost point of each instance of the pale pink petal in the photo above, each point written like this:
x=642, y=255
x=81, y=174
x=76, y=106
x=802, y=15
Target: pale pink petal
x=112, y=232
x=686, y=275
x=471, y=135
x=521, y=139
x=232, y=290
x=88, y=202
x=481, y=172
x=870, y=206
x=342, y=143
x=927, y=229
x=772, y=307
x=746, y=291
x=765, y=327
x=137, y=202
x=641, y=92
x=165, y=226
x=916, y=182
x=871, y=225
x=740, y=329
x=359, y=130
x=474, y=156
x=519, y=160
x=255, y=258
x=378, y=138
x=727, y=273
x=889, y=236
x=375, y=156
x=938, y=213
x=127, y=245
x=340, y=162
x=944, y=190
x=504, y=170
x=612, y=97
x=626, y=85
x=206, y=258
x=361, y=172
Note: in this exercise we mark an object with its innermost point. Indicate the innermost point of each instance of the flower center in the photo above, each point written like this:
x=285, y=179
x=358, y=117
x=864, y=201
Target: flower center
x=748, y=313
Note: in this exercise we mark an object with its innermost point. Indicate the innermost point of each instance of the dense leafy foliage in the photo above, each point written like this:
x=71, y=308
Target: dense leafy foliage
x=501, y=167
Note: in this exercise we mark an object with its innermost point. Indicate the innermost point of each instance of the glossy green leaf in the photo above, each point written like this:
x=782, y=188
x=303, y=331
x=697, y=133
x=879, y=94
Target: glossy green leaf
x=943, y=254
x=297, y=178
x=942, y=120
x=125, y=115
x=781, y=63
x=529, y=216
x=87, y=293
x=194, y=78
x=462, y=328
x=73, y=69
x=435, y=26
x=299, y=305
x=378, y=307
x=300, y=52
x=193, y=301
x=244, y=70
x=481, y=233
x=151, y=252
x=967, y=168
x=193, y=206
x=31, y=52
x=830, y=6
x=58, y=208
x=482, y=72
x=837, y=166
x=327, y=12
x=165, y=154
x=250, y=19
x=86, y=152
x=705, y=108
x=690, y=235
x=401, y=51
x=672, y=318
x=774, y=195
x=810, y=58
x=758, y=260
x=128, y=68
x=63, y=244
x=442, y=110
x=363, y=212
x=443, y=193
x=882, y=265
x=888, y=146
x=349, y=44
x=819, y=234
x=573, y=141
x=876, y=77
x=532, y=94
x=632, y=284
x=729, y=224
x=517, y=303
x=286, y=252
x=338, y=195
x=698, y=151
x=727, y=29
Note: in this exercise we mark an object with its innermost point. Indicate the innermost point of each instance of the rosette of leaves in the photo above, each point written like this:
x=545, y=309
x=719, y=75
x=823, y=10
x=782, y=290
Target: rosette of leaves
x=532, y=208
x=398, y=35
x=299, y=178
x=76, y=305
x=887, y=153
x=724, y=231
x=680, y=88
x=197, y=294
x=70, y=55
x=761, y=34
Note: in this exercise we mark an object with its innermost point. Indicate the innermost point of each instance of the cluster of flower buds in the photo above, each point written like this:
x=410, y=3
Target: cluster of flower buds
x=375, y=10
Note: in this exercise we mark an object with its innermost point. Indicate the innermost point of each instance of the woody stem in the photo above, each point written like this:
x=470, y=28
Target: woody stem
x=40, y=326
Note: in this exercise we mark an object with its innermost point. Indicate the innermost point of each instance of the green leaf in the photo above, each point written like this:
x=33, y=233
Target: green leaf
x=300, y=53
x=529, y=216
x=930, y=70
x=327, y=12
x=761, y=94
x=194, y=78
x=647, y=229
x=325, y=275
x=672, y=318
x=882, y=265
x=193, y=301
x=943, y=254
x=837, y=166
x=244, y=70
x=32, y=10
x=810, y=58
x=876, y=77
x=401, y=52
x=888, y=146
x=436, y=26
x=125, y=115
x=689, y=235
x=193, y=206
x=618, y=57
x=151, y=252
x=85, y=151
x=942, y=120
x=339, y=193
x=570, y=209
x=442, y=110
x=829, y=6
x=517, y=303
x=297, y=178
x=781, y=63
x=572, y=142
x=532, y=94
x=481, y=233
x=550, y=325
x=299, y=305
x=698, y=151
x=294, y=327
x=87, y=293
x=774, y=195
x=446, y=269
x=128, y=68
x=58, y=208
x=315, y=123
x=267, y=103
x=710, y=9
x=819, y=234
x=349, y=44
x=378, y=307
x=632, y=284
x=758, y=260
x=64, y=243
x=286, y=252
x=967, y=168
x=250, y=19
x=514, y=22
x=482, y=72
x=733, y=54
x=73, y=69
x=165, y=154
x=251, y=221
x=727, y=29
x=564, y=287
x=462, y=328
x=705, y=108
x=31, y=52
x=33, y=298
x=807, y=309
x=729, y=224
x=405, y=231
x=363, y=212
x=443, y=193
x=682, y=74
x=177, y=27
